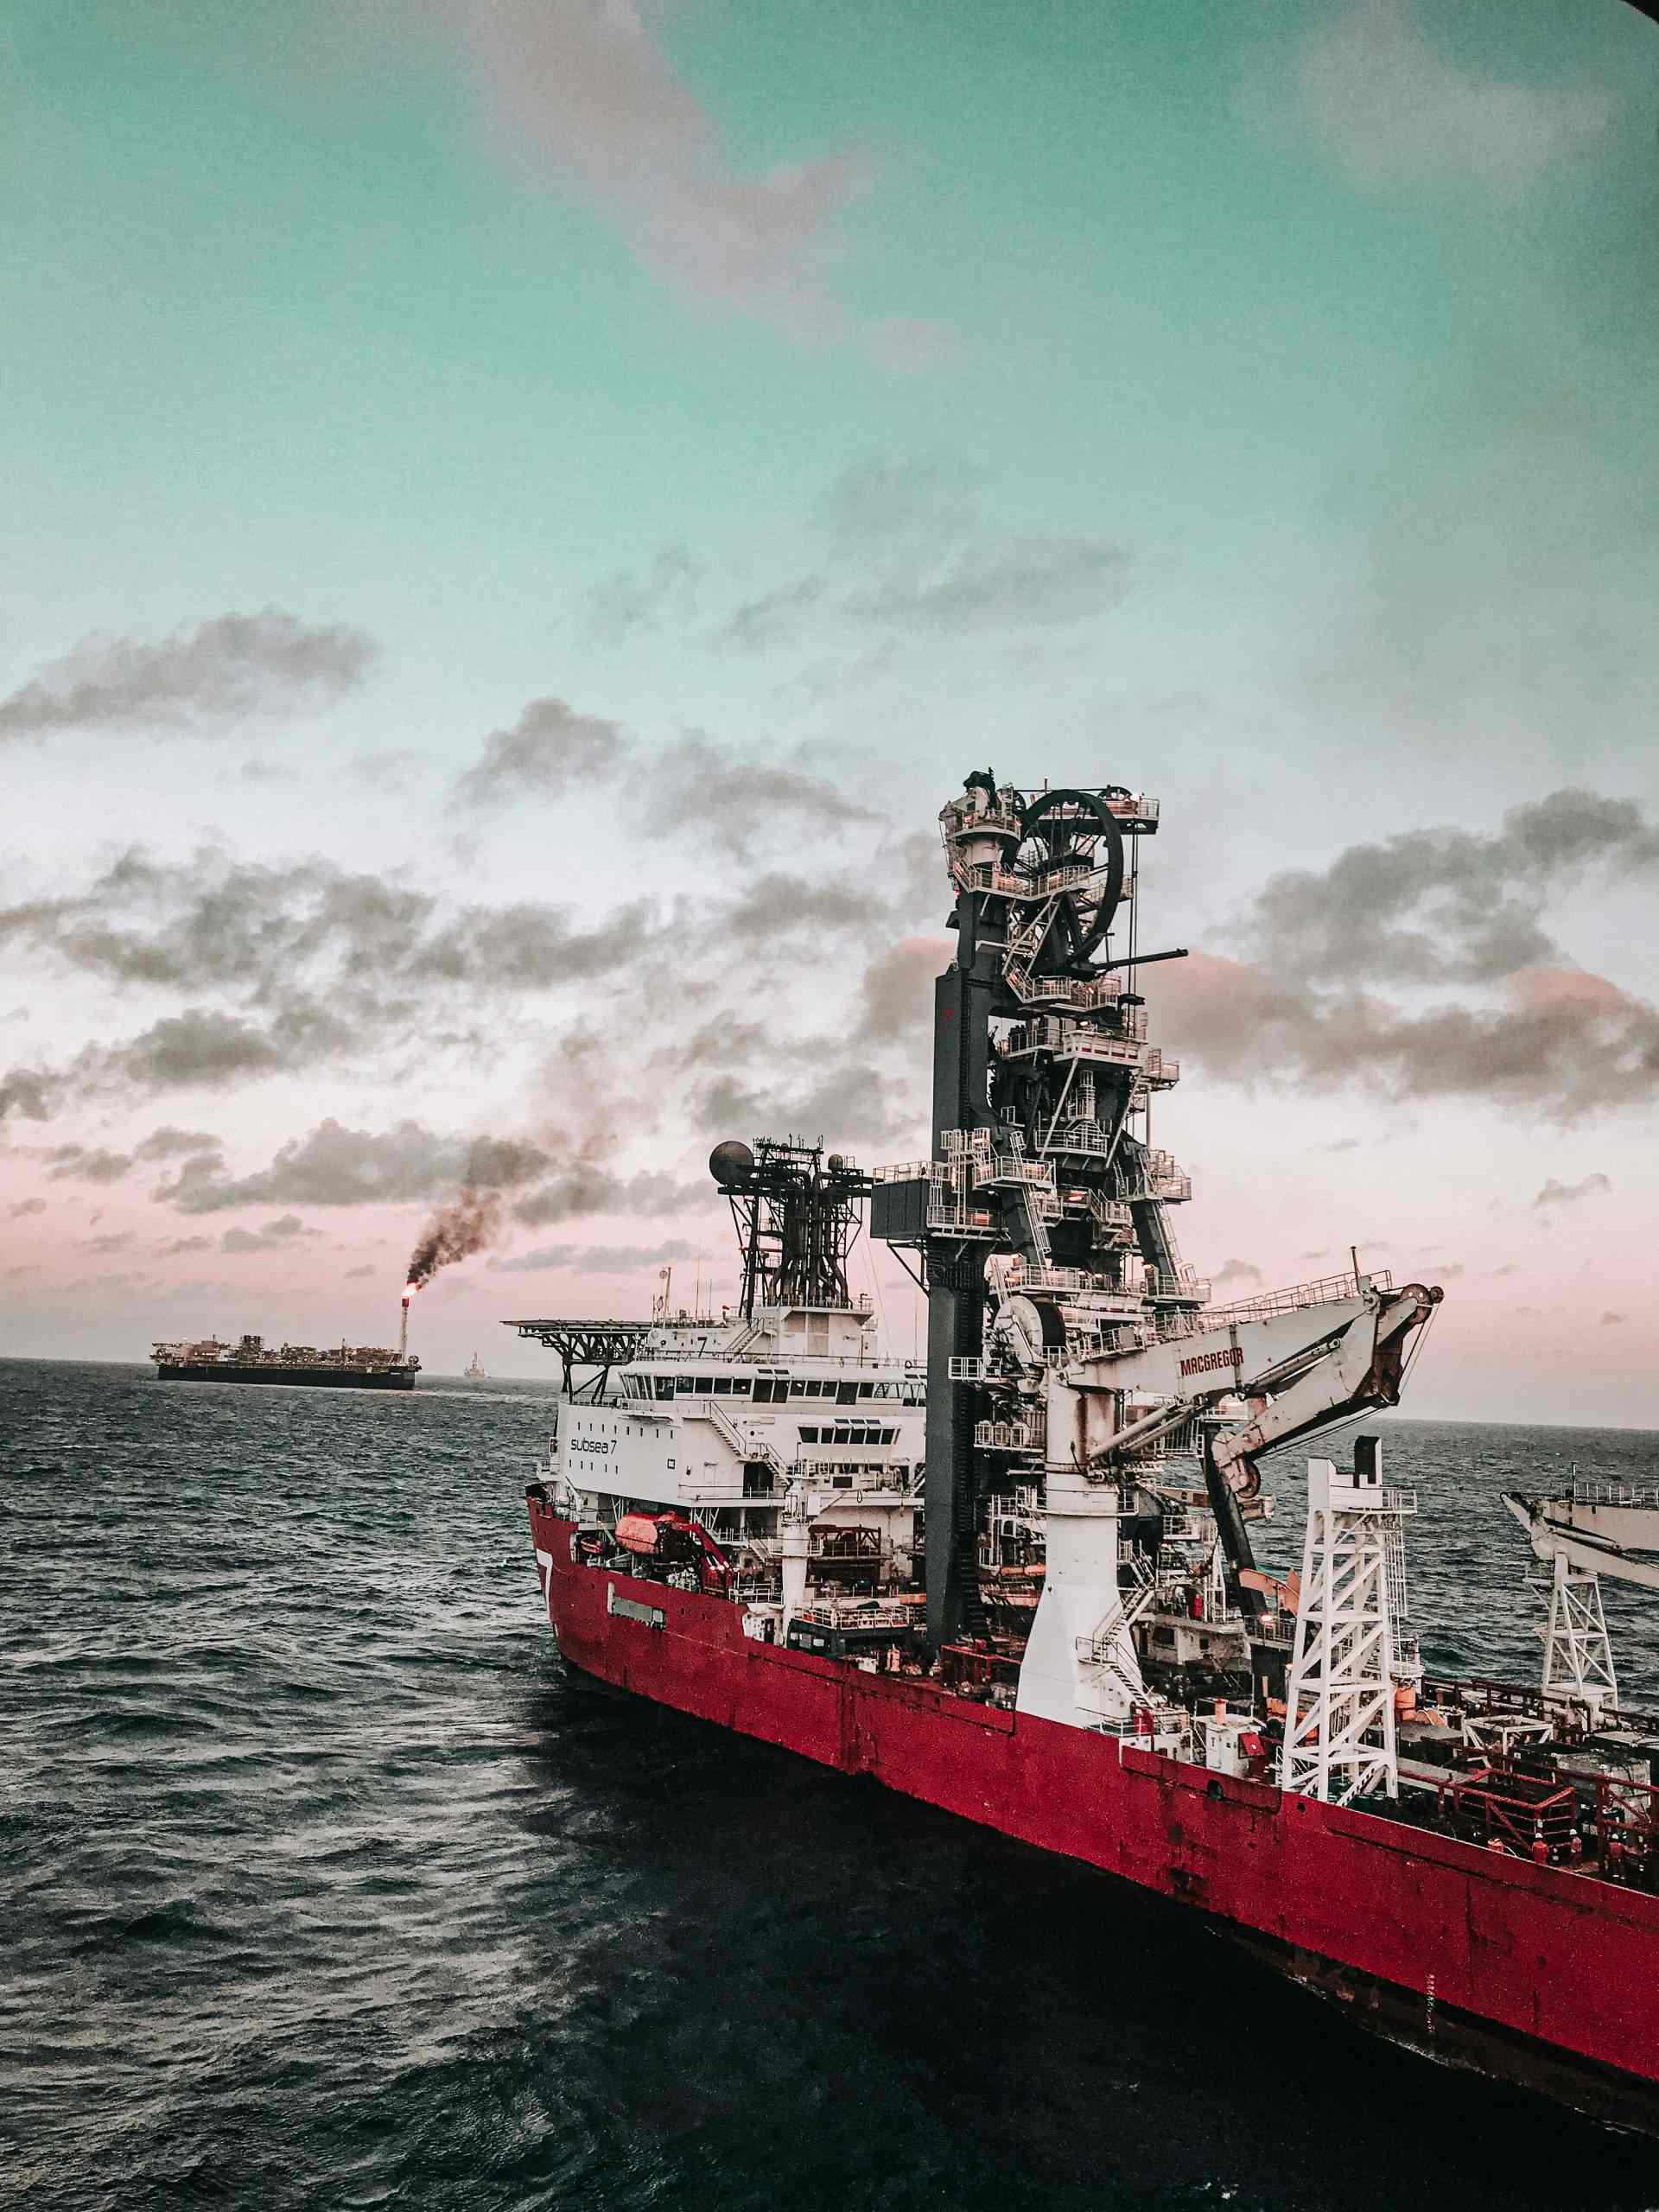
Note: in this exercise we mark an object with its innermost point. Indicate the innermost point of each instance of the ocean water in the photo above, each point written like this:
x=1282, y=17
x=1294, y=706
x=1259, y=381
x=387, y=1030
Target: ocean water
x=324, y=1883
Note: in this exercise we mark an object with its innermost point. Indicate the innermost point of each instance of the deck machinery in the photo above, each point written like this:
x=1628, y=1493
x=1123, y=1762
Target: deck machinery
x=1067, y=1336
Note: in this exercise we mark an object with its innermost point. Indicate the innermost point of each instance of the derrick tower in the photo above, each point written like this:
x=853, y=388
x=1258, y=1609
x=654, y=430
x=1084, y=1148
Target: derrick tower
x=1040, y=1222
x=796, y=1215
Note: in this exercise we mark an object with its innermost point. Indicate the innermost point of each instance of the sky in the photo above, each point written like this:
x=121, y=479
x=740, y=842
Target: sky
x=517, y=513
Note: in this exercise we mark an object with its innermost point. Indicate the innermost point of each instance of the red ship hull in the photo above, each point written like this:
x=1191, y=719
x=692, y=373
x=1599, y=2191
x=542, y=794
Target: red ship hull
x=1530, y=1974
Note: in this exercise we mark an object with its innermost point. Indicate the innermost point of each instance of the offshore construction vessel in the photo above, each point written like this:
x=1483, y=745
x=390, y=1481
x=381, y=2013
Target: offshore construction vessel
x=1020, y=1584
x=345, y=1367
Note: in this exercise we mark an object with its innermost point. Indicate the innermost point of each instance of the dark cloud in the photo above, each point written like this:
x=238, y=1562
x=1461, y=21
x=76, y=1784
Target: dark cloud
x=587, y=1188
x=1442, y=905
x=35, y=1093
x=773, y=618
x=595, y=1259
x=896, y=992
x=116, y=1240
x=358, y=1274
x=550, y=750
x=1565, y=1194
x=328, y=964
x=1559, y=1043
x=181, y=1244
x=1231, y=1271
x=543, y=1260
x=333, y=1166
x=877, y=505
x=170, y=1143
x=1022, y=584
x=25, y=1207
x=1612, y=1321
x=74, y=1163
x=630, y=600
x=732, y=803
x=204, y=1049
x=275, y=1236
x=233, y=666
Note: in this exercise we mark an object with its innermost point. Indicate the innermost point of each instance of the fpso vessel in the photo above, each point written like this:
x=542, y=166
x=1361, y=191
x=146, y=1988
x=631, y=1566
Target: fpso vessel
x=349, y=1367
x=1020, y=1582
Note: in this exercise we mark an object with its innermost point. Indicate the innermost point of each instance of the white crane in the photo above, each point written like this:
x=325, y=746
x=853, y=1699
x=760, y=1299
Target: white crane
x=1594, y=1529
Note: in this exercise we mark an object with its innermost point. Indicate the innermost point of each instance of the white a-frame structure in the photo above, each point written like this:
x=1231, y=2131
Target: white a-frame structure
x=1578, y=1658
x=1339, y=1705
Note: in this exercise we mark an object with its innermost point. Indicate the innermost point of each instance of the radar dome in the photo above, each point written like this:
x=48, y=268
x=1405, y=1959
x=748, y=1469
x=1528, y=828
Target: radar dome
x=731, y=1161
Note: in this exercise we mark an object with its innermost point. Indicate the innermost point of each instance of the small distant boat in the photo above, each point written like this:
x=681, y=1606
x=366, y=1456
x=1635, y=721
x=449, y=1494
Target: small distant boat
x=475, y=1372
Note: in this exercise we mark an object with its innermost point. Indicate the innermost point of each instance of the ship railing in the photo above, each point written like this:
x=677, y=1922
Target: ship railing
x=1069, y=1040
x=961, y=1220
x=1009, y=1436
x=959, y=820
x=1588, y=1490
x=1323, y=1290
x=1007, y=1167
x=1078, y=1136
x=1178, y=1283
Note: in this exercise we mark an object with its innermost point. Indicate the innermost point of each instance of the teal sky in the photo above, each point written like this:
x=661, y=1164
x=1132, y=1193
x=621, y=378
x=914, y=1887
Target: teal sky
x=1254, y=405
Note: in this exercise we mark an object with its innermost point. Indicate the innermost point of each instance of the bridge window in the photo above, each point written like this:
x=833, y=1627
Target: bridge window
x=846, y=1394
x=722, y=1386
x=683, y=1385
x=705, y=1386
x=665, y=1386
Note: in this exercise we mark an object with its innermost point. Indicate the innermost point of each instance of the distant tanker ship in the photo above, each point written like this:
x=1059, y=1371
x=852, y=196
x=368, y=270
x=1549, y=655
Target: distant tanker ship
x=348, y=1367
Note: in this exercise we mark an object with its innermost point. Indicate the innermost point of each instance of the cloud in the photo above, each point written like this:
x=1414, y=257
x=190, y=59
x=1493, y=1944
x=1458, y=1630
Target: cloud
x=168, y=1143
x=328, y=964
x=595, y=1259
x=333, y=1166
x=1434, y=905
x=550, y=750
x=35, y=1093
x=25, y=1207
x=1235, y=1271
x=907, y=550
x=696, y=784
x=210, y=677
x=586, y=1188
x=358, y=1274
x=633, y=600
x=543, y=1259
x=773, y=618
x=73, y=1163
x=1027, y=583
x=1565, y=1194
x=896, y=990
x=1391, y=110
x=1612, y=1321
x=273, y=1237
x=181, y=1244
x=116, y=1240
x=879, y=506
x=1558, y=1042
x=202, y=1048
x=587, y=92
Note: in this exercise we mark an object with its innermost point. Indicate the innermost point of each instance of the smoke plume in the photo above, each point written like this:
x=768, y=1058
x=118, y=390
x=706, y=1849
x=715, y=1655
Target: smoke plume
x=455, y=1232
